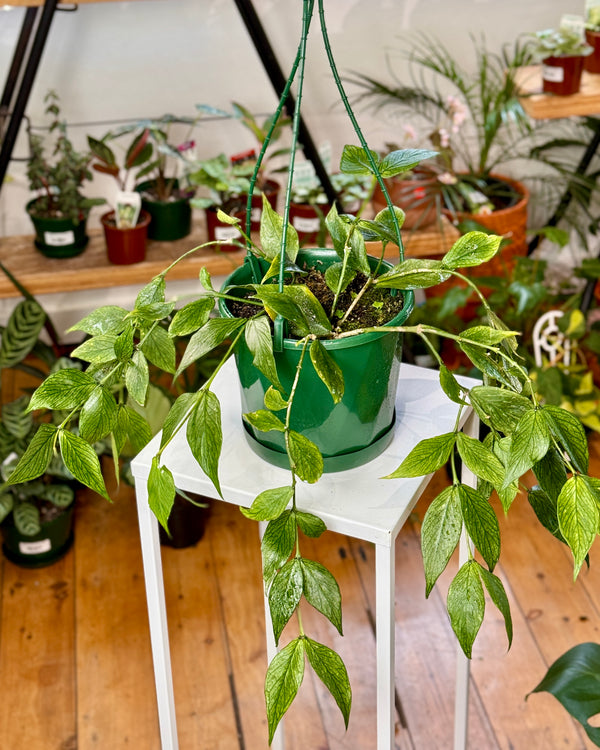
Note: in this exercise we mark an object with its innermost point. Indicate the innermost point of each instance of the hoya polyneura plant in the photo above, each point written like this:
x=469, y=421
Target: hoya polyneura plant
x=524, y=434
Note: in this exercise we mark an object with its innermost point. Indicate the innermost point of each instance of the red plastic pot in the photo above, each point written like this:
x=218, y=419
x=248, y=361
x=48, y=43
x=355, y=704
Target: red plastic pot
x=125, y=246
x=592, y=62
x=562, y=75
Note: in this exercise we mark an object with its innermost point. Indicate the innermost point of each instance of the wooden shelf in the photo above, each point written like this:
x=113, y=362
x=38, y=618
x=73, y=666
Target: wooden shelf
x=91, y=269
x=549, y=106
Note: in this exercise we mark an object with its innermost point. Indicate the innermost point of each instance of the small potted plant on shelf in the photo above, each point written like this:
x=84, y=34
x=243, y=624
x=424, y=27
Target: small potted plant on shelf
x=592, y=37
x=562, y=53
x=60, y=210
x=317, y=332
x=162, y=181
x=126, y=227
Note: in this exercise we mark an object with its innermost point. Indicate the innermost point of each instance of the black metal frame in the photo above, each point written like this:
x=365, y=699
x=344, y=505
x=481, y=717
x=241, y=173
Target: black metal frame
x=13, y=113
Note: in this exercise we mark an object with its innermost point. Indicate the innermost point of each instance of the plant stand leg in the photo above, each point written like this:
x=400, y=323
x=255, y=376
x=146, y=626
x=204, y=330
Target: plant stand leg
x=386, y=645
x=157, y=616
x=278, y=738
x=461, y=700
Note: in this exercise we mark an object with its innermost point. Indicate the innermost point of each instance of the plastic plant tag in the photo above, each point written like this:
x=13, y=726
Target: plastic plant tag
x=59, y=239
x=128, y=206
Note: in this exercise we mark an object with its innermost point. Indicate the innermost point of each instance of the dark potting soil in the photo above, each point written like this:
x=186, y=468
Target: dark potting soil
x=375, y=308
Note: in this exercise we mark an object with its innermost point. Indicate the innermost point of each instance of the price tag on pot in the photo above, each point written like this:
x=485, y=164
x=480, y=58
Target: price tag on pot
x=59, y=239
x=306, y=225
x=224, y=234
x=35, y=548
x=127, y=209
x=553, y=73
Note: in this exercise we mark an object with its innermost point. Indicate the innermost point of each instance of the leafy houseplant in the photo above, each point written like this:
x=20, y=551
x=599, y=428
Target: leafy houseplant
x=59, y=213
x=562, y=53
x=125, y=228
x=280, y=303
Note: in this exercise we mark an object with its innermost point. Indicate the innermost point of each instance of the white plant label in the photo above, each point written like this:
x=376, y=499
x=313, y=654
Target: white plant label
x=553, y=73
x=35, y=548
x=224, y=234
x=127, y=211
x=306, y=225
x=58, y=239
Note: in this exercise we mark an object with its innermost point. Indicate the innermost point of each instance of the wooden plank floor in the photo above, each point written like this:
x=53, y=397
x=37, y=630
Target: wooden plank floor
x=75, y=661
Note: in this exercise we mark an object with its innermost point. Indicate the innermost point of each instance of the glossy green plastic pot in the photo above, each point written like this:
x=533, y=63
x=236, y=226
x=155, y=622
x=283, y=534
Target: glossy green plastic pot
x=49, y=545
x=55, y=237
x=360, y=426
x=170, y=220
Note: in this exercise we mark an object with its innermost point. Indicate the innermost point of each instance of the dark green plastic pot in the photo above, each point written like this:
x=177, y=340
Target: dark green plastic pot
x=49, y=545
x=360, y=426
x=58, y=238
x=170, y=220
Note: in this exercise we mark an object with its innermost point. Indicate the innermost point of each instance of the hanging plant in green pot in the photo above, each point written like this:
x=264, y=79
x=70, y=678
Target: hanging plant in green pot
x=284, y=296
x=59, y=212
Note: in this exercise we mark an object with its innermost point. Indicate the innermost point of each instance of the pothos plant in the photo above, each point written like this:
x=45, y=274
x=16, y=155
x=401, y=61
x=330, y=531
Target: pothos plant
x=523, y=434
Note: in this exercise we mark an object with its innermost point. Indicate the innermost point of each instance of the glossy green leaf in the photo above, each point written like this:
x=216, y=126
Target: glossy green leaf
x=497, y=593
x=278, y=543
x=332, y=672
x=264, y=420
x=154, y=292
x=205, y=436
x=81, y=460
x=279, y=303
x=426, y=457
x=176, y=415
x=138, y=430
x=328, y=370
x=466, y=605
x=450, y=385
x=440, y=533
x=191, y=317
x=479, y=459
x=305, y=458
x=384, y=225
x=285, y=594
x=259, y=340
x=109, y=319
x=34, y=462
x=551, y=474
x=310, y=525
x=472, y=249
x=486, y=335
x=64, y=389
x=137, y=377
x=544, y=508
x=578, y=518
x=274, y=400
x=403, y=160
x=315, y=317
x=498, y=407
x=481, y=524
x=98, y=415
x=124, y=344
x=98, y=349
x=322, y=592
x=215, y=332
x=161, y=492
x=569, y=432
x=269, y=504
x=334, y=279
x=348, y=243
x=574, y=680
x=282, y=682
x=159, y=349
x=271, y=234
x=414, y=273
x=354, y=160
x=530, y=442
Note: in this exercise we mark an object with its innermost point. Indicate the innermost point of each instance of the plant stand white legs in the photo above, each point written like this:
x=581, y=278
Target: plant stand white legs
x=356, y=503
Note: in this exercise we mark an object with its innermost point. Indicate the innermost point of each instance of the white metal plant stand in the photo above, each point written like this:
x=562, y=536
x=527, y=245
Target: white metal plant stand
x=355, y=502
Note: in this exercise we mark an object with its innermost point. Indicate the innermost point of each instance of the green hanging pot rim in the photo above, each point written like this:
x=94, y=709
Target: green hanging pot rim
x=339, y=343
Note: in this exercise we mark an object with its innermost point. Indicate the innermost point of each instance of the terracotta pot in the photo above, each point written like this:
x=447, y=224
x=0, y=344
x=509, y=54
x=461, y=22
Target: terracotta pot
x=562, y=75
x=125, y=246
x=412, y=196
x=592, y=62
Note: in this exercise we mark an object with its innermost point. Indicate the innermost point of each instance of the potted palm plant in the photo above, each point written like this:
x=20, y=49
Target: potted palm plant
x=60, y=210
x=295, y=320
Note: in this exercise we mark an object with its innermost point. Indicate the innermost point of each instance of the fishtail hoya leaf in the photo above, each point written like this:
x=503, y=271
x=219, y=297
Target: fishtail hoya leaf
x=414, y=273
x=82, y=461
x=278, y=543
x=315, y=316
x=498, y=407
x=34, y=462
x=310, y=525
x=271, y=234
x=466, y=605
x=274, y=400
x=208, y=337
x=497, y=593
x=480, y=460
x=282, y=682
x=451, y=386
x=152, y=292
x=305, y=458
x=384, y=226
x=98, y=415
x=569, y=432
x=321, y=591
x=264, y=421
x=328, y=370
x=333, y=276
x=481, y=524
x=440, y=534
x=269, y=504
x=205, y=280
x=578, y=518
x=354, y=160
x=64, y=389
x=260, y=343
x=159, y=349
x=137, y=377
x=161, y=492
x=544, y=508
x=98, y=350
x=348, y=243
x=551, y=474
x=530, y=442
x=330, y=669
x=426, y=457
x=176, y=416
x=285, y=594
x=205, y=436
x=21, y=332
x=403, y=160
x=109, y=319
x=472, y=249
x=139, y=433
x=487, y=335
x=225, y=218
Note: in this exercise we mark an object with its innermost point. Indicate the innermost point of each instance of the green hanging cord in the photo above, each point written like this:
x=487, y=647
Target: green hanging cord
x=355, y=125
x=307, y=13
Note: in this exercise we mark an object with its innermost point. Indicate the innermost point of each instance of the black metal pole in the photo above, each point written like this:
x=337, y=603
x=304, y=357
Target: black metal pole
x=278, y=80
x=17, y=60
x=29, y=74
